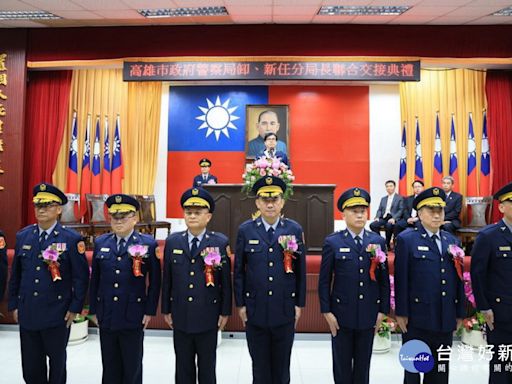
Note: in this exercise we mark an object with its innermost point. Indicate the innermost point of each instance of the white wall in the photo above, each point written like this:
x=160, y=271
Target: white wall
x=384, y=149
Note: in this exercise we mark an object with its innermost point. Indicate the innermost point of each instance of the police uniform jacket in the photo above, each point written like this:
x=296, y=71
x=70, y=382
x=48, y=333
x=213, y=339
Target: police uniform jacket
x=354, y=299
x=199, y=181
x=41, y=302
x=491, y=271
x=261, y=284
x=195, y=307
x=427, y=288
x=117, y=297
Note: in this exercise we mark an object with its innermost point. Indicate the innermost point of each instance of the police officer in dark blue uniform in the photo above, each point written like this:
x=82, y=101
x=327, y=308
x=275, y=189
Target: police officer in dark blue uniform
x=491, y=277
x=205, y=177
x=122, y=297
x=45, y=296
x=196, y=294
x=356, y=303
x=270, y=287
x=429, y=293
x=3, y=265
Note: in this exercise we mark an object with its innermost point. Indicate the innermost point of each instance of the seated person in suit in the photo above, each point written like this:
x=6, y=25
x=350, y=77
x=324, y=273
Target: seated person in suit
x=271, y=151
x=453, y=206
x=410, y=216
x=267, y=122
x=390, y=211
x=205, y=177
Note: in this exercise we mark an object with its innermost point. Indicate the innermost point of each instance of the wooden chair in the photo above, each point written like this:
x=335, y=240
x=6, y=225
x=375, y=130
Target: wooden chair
x=96, y=215
x=70, y=219
x=148, y=213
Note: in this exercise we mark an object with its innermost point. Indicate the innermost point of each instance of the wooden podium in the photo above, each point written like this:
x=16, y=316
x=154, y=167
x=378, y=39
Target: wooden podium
x=311, y=206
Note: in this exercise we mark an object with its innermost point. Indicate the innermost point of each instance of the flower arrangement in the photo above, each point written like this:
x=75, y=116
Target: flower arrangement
x=212, y=260
x=378, y=257
x=386, y=327
x=475, y=320
x=266, y=166
x=51, y=256
x=138, y=252
x=290, y=246
x=458, y=258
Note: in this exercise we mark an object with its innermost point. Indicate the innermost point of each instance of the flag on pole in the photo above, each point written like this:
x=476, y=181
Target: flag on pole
x=85, y=182
x=472, y=185
x=418, y=169
x=438, y=156
x=72, y=180
x=485, y=162
x=453, y=155
x=105, y=174
x=117, y=160
x=402, y=180
x=96, y=167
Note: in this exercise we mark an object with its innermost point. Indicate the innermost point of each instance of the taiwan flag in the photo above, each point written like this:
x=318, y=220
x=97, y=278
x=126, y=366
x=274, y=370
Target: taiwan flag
x=105, y=174
x=453, y=155
x=438, y=156
x=72, y=180
x=485, y=162
x=85, y=182
x=402, y=179
x=96, y=163
x=472, y=186
x=418, y=169
x=117, y=160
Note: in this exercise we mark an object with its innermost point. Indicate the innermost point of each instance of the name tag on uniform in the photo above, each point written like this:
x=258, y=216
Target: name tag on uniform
x=505, y=248
x=177, y=251
x=422, y=248
x=27, y=247
x=105, y=249
x=344, y=250
x=254, y=241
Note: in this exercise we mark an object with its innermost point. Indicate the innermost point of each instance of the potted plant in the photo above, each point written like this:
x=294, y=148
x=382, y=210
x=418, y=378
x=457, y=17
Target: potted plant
x=472, y=331
x=79, y=331
x=382, y=338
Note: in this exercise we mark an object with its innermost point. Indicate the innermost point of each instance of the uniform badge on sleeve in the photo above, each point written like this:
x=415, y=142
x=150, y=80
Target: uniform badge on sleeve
x=81, y=247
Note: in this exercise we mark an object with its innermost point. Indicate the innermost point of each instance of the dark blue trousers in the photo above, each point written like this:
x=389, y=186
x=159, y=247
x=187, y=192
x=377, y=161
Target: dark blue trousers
x=351, y=354
x=498, y=337
x=434, y=340
x=189, y=345
x=270, y=349
x=121, y=355
x=375, y=227
x=36, y=346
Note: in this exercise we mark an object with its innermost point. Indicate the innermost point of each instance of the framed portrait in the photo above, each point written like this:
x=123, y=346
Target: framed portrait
x=261, y=119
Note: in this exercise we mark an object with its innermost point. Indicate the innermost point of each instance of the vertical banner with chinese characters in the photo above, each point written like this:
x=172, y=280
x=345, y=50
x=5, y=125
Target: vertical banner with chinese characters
x=3, y=111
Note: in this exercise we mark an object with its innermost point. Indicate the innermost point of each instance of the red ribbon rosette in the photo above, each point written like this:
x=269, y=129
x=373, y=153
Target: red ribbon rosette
x=138, y=252
x=288, y=257
x=289, y=245
x=378, y=257
x=212, y=260
x=458, y=259
x=51, y=257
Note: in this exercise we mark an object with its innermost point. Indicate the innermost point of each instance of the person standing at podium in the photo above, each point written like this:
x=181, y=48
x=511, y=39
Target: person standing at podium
x=205, y=177
x=270, y=282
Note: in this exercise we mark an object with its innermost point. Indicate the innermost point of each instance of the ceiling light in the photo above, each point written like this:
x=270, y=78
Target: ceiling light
x=503, y=12
x=355, y=10
x=27, y=15
x=181, y=12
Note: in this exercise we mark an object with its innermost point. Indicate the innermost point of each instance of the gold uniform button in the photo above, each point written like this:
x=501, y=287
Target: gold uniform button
x=270, y=278
x=443, y=281
x=119, y=258
x=192, y=273
x=36, y=281
x=361, y=258
x=270, y=263
x=443, y=293
x=416, y=300
x=191, y=286
x=59, y=297
x=214, y=301
x=337, y=300
x=423, y=256
x=442, y=270
x=252, y=249
x=293, y=294
x=270, y=293
x=271, y=249
x=456, y=301
x=193, y=261
x=139, y=299
x=361, y=297
x=35, y=293
x=190, y=298
x=247, y=294
x=116, y=285
x=118, y=271
x=361, y=283
x=442, y=259
x=361, y=270
x=116, y=298
x=343, y=257
x=498, y=299
x=378, y=301
x=38, y=268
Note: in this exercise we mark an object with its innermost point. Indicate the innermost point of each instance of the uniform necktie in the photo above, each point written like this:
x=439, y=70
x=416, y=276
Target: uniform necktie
x=42, y=237
x=434, y=239
x=121, y=245
x=270, y=234
x=359, y=243
x=193, y=248
x=204, y=178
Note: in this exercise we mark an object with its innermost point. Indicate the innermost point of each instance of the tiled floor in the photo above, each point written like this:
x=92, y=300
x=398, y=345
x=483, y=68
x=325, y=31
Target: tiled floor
x=311, y=362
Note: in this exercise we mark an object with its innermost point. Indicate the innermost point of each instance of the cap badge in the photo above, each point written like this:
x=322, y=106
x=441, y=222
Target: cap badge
x=268, y=181
x=435, y=191
x=357, y=192
x=42, y=187
x=195, y=192
x=119, y=199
